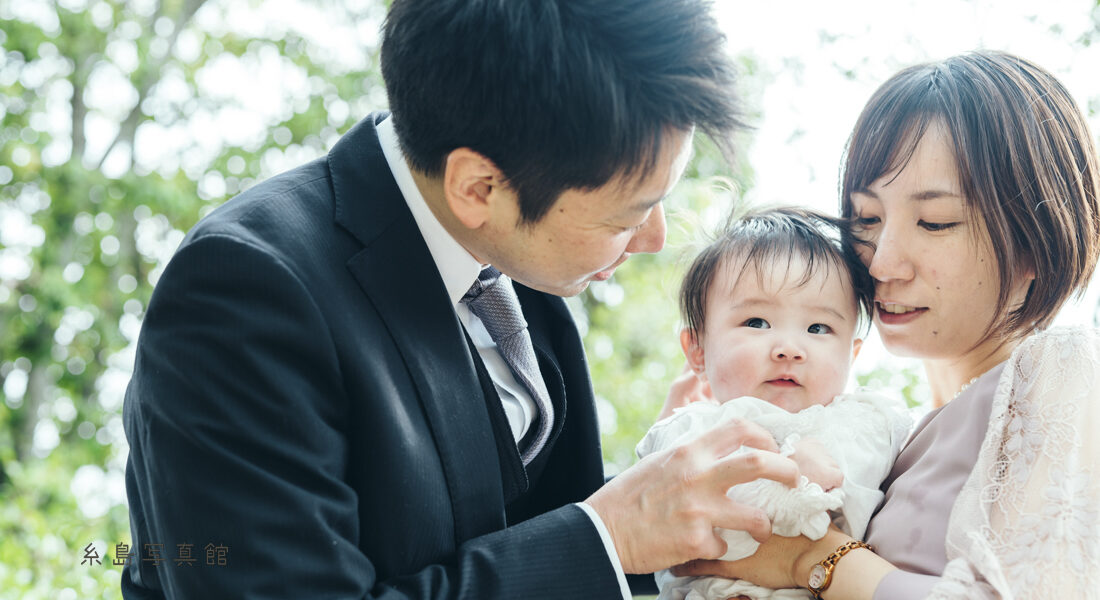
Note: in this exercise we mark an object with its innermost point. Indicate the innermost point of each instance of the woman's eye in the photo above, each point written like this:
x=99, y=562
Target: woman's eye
x=757, y=323
x=863, y=221
x=820, y=329
x=927, y=226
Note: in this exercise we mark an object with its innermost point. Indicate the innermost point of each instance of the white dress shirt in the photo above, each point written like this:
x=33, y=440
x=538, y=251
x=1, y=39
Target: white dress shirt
x=459, y=269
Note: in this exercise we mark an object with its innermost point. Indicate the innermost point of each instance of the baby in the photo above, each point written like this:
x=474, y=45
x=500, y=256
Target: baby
x=771, y=311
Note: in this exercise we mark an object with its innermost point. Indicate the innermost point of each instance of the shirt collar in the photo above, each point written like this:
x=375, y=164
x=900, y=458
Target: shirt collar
x=458, y=268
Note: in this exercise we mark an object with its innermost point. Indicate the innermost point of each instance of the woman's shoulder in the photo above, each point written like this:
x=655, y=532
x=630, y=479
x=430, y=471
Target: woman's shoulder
x=1075, y=344
x=1063, y=333
x=1053, y=367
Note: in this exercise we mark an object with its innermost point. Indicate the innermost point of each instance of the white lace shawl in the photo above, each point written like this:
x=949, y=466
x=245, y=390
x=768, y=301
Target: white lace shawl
x=1027, y=522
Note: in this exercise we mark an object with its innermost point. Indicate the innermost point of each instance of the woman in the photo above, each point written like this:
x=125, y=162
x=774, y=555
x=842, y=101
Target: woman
x=971, y=185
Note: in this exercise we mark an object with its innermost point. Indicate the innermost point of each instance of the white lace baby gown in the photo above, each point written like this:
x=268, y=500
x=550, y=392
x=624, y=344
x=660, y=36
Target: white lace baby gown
x=863, y=432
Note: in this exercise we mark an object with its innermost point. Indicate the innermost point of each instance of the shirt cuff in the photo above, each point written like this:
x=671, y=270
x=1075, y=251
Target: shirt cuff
x=903, y=585
x=609, y=546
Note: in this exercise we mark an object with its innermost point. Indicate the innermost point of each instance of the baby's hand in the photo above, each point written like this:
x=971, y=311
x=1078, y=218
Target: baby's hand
x=685, y=389
x=817, y=464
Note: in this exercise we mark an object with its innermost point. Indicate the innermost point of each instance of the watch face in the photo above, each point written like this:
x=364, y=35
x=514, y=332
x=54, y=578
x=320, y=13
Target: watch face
x=817, y=576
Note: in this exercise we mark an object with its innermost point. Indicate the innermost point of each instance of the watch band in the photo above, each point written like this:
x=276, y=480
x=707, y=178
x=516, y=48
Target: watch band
x=821, y=574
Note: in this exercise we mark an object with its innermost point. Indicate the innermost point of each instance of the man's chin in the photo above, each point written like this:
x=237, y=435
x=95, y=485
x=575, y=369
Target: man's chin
x=572, y=291
x=565, y=291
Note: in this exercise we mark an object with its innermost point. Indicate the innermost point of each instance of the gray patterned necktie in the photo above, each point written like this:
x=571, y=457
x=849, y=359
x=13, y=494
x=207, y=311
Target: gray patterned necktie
x=494, y=302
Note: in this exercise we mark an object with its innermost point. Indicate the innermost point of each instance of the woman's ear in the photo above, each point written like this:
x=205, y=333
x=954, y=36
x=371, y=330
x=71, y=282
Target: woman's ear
x=693, y=351
x=1026, y=274
x=469, y=178
x=1028, y=269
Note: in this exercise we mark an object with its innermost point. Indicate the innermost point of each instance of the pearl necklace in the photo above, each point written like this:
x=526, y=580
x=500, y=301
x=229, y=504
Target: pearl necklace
x=965, y=385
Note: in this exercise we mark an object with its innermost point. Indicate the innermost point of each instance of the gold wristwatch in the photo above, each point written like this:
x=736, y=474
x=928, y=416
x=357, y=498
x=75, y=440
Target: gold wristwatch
x=821, y=574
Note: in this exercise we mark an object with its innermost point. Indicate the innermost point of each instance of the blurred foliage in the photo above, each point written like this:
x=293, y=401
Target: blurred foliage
x=90, y=91
x=113, y=142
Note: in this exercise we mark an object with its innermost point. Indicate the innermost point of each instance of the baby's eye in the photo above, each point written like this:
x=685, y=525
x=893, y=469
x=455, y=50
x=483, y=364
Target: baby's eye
x=820, y=328
x=757, y=322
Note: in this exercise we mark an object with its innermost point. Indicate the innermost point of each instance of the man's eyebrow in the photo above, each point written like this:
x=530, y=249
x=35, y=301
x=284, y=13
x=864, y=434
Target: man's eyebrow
x=645, y=205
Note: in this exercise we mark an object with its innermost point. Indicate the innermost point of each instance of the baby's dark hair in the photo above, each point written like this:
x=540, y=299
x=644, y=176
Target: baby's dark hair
x=763, y=237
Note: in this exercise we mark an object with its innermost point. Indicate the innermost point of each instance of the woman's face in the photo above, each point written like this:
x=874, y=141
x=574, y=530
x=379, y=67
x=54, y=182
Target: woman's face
x=936, y=280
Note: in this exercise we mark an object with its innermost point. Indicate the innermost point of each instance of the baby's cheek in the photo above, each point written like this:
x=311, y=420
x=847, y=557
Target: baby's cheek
x=723, y=385
x=837, y=381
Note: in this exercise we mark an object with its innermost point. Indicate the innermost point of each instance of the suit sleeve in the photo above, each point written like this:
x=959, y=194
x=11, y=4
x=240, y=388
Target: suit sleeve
x=236, y=417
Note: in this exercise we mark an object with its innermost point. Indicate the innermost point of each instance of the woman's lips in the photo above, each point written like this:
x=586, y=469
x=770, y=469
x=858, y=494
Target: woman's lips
x=907, y=313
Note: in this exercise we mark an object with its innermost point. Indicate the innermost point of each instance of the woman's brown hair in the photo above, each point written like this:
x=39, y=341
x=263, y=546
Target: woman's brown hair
x=1027, y=165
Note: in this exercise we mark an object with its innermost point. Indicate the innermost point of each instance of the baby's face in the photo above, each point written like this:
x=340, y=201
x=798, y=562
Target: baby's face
x=768, y=337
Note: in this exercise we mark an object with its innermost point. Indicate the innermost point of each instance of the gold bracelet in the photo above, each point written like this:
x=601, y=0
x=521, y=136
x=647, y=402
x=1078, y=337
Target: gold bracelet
x=821, y=574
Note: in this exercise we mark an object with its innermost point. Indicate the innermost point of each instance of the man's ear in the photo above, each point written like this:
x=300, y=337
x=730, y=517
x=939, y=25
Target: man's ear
x=468, y=180
x=857, y=344
x=693, y=351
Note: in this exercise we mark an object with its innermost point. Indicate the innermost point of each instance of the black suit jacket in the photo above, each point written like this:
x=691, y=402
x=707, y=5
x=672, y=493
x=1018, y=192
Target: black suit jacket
x=305, y=405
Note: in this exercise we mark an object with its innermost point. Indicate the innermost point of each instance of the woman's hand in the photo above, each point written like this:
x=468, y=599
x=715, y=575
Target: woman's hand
x=771, y=566
x=780, y=562
x=815, y=462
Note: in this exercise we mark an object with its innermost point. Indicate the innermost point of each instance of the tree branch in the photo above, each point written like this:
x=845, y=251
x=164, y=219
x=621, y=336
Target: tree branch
x=151, y=76
x=80, y=110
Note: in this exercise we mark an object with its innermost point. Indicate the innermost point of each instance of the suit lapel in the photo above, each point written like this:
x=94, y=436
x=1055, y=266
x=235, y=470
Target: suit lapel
x=513, y=476
x=397, y=273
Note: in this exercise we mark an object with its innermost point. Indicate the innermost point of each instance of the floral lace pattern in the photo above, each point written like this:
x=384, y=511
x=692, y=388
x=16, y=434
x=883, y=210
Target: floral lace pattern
x=1027, y=522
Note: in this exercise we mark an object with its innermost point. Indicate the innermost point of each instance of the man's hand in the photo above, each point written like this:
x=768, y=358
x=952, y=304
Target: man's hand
x=663, y=510
x=815, y=462
x=685, y=389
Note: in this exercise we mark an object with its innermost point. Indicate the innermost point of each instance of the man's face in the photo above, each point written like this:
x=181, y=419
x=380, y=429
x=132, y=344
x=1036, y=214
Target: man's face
x=586, y=234
x=768, y=337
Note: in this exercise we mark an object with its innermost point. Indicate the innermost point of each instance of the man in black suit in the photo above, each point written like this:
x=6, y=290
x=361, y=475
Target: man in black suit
x=319, y=410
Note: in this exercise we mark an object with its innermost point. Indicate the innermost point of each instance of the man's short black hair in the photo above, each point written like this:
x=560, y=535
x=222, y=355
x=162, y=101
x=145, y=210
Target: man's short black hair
x=559, y=94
